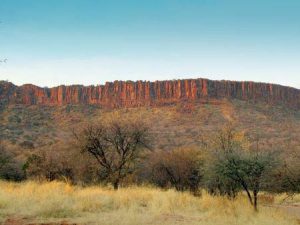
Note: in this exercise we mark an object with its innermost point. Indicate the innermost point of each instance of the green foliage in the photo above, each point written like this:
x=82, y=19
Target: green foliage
x=240, y=166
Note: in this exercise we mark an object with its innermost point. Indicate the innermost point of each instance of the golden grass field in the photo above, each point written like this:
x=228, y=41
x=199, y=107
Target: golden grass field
x=35, y=203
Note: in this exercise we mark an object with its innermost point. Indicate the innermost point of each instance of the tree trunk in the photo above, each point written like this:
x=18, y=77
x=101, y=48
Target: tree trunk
x=116, y=185
x=248, y=193
x=255, y=200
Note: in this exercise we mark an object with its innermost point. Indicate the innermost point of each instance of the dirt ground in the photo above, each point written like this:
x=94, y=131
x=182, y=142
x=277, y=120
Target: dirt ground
x=26, y=221
x=293, y=210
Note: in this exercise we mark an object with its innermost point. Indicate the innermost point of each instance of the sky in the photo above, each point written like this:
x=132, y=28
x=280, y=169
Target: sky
x=53, y=42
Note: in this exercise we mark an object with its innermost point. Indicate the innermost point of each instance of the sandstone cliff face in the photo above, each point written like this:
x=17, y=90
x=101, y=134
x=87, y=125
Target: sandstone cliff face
x=140, y=93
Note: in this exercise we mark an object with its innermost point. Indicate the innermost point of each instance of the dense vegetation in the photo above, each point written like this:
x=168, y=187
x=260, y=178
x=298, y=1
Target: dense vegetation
x=119, y=152
x=234, y=151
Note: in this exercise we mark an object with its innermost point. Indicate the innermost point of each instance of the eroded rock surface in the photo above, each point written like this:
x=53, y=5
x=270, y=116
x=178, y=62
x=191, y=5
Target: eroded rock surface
x=128, y=94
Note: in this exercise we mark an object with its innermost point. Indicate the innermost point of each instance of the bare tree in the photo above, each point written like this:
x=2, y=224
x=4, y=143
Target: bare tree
x=287, y=176
x=180, y=168
x=10, y=168
x=50, y=165
x=57, y=161
x=116, y=146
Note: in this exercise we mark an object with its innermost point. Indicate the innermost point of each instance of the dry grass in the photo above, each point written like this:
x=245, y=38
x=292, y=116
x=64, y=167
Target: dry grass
x=58, y=201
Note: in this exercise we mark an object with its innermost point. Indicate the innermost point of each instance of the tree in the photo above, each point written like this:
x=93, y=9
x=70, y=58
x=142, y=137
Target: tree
x=116, y=146
x=225, y=140
x=4, y=157
x=10, y=168
x=246, y=170
x=50, y=163
x=245, y=167
x=217, y=184
x=286, y=177
x=180, y=168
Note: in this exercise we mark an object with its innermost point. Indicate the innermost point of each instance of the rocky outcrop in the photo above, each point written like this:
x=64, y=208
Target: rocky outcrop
x=139, y=93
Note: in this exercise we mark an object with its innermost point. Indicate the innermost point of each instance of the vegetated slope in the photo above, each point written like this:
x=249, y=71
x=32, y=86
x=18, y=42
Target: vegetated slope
x=179, y=112
x=180, y=124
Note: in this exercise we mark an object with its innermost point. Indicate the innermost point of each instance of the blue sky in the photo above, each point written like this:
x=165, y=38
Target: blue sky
x=52, y=42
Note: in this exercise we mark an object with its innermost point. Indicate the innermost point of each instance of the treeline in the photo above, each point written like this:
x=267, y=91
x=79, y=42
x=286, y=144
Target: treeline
x=120, y=152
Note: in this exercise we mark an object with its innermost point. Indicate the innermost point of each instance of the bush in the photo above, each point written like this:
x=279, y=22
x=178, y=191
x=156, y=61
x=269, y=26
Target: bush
x=10, y=169
x=50, y=164
x=60, y=162
x=179, y=168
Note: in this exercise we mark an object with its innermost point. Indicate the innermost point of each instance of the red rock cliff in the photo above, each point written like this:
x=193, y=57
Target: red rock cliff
x=127, y=94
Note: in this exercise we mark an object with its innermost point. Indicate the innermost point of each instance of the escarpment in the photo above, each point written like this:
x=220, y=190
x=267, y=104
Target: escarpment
x=141, y=93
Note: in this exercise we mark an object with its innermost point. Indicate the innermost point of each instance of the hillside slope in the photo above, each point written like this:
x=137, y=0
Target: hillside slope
x=184, y=122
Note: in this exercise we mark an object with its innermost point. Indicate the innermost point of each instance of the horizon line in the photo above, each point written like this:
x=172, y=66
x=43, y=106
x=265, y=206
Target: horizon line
x=152, y=81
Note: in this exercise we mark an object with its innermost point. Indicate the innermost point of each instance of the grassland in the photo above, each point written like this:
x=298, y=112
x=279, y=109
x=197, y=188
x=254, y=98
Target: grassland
x=33, y=202
x=171, y=126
